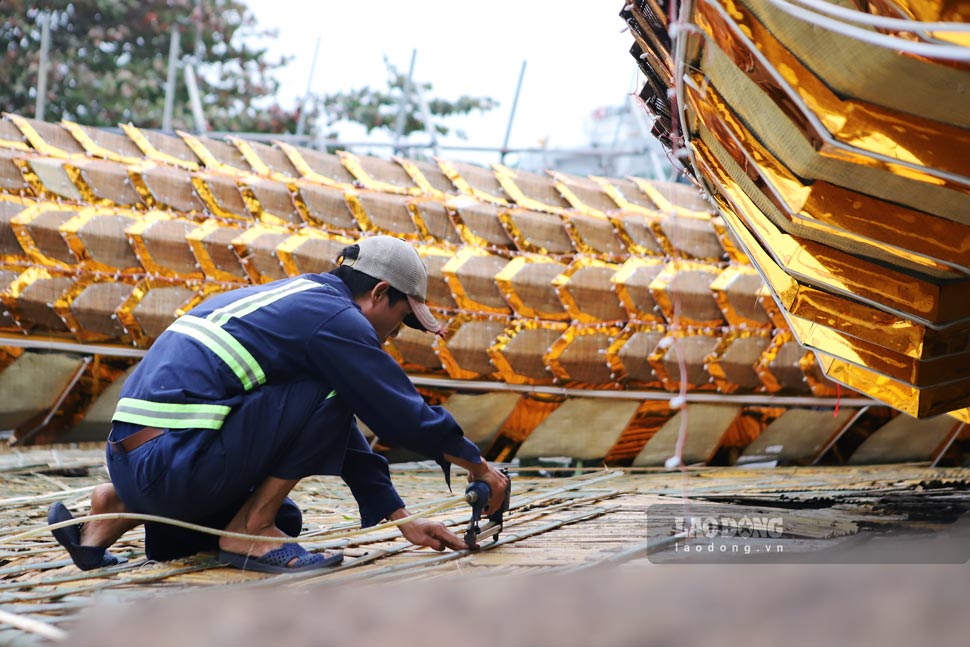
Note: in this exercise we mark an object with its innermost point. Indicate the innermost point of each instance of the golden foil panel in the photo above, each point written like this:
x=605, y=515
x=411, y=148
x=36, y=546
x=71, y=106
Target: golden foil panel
x=531, y=190
x=691, y=237
x=475, y=181
x=415, y=350
x=917, y=402
x=324, y=207
x=266, y=160
x=10, y=248
x=463, y=349
x=12, y=181
x=632, y=282
x=671, y=198
x=732, y=362
x=89, y=309
x=628, y=354
x=439, y=292
x=471, y=277
x=584, y=194
x=920, y=86
x=479, y=225
x=48, y=139
x=221, y=196
x=212, y=246
x=311, y=251
x=876, y=358
x=10, y=136
x=167, y=188
x=779, y=367
x=38, y=230
x=161, y=245
x=7, y=277
x=151, y=308
x=319, y=167
x=518, y=353
x=681, y=356
x=682, y=290
x=104, y=183
x=433, y=221
x=49, y=177
x=823, y=211
x=526, y=282
x=854, y=318
x=872, y=128
x=595, y=235
x=379, y=174
x=587, y=292
x=383, y=213
x=104, y=144
x=99, y=239
x=580, y=354
x=536, y=232
x=912, y=295
x=270, y=203
x=217, y=155
x=778, y=194
x=627, y=195
x=30, y=299
x=732, y=290
x=639, y=234
x=735, y=254
x=256, y=249
x=109, y=275
x=162, y=148
x=428, y=177
x=797, y=143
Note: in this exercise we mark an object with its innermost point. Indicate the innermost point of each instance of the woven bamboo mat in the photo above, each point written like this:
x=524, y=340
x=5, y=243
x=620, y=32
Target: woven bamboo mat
x=572, y=521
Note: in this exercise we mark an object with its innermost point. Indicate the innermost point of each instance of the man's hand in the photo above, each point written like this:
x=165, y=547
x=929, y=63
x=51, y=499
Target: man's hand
x=497, y=482
x=424, y=532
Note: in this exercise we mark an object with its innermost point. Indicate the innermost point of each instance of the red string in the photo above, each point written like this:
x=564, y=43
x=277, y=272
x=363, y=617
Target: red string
x=838, y=399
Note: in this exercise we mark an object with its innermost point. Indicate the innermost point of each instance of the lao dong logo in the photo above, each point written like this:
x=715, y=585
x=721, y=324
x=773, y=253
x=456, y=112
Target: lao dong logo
x=745, y=527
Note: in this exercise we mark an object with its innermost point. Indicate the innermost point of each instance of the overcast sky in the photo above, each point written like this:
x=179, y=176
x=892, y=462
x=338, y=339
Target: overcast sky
x=577, y=57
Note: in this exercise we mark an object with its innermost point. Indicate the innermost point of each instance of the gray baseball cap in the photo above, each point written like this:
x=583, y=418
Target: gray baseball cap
x=394, y=260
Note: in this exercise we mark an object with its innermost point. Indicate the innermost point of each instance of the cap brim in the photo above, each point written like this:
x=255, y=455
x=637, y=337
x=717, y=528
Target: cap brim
x=421, y=317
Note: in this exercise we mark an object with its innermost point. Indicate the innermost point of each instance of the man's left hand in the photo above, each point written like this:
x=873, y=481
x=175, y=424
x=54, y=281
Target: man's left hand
x=424, y=532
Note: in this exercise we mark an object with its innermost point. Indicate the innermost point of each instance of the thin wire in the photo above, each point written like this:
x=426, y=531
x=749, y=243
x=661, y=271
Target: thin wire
x=885, y=22
x=930, y=50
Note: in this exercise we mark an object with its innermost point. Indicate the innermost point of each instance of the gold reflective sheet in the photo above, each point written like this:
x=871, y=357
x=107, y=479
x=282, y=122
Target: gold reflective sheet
x=841, y=167
x=582, y=282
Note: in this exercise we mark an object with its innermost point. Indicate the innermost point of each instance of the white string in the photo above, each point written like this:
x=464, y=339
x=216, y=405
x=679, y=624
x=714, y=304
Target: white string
x=930, y=50
x=884, y=22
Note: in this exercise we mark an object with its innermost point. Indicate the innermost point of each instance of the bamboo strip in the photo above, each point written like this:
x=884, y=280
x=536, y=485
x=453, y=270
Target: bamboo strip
x=33, y=626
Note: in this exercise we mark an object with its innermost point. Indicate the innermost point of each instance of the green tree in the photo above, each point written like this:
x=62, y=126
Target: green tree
x=108, y=63
x=378, y=109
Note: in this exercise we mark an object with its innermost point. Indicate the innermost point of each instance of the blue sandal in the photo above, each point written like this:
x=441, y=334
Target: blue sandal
x=278, y=561
x=87, y=558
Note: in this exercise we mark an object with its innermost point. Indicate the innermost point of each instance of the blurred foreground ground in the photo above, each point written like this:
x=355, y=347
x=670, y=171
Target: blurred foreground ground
x=871, y=555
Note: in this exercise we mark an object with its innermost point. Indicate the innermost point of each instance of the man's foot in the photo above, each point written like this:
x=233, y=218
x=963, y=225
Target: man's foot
x=86, y=558
x=86, y=543
x=104, y=500
x=271, y=557
x=289, y=558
